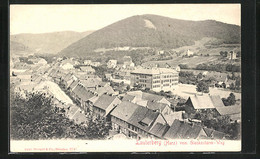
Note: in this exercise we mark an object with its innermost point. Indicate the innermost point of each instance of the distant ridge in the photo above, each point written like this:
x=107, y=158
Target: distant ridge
x=49, y=43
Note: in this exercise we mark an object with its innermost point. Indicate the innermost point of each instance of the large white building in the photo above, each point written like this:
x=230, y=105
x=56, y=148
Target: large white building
x=156, y=79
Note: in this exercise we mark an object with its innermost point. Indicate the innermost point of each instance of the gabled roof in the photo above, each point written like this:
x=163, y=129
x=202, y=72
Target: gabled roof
x=156, y=106
x=102, y=90
x=218, y=135
x=124, y=110
x=206, y=102
x=87, y=68
x=193, y=132
x=145, y=96
x=151, y=97
x=140, y=114
x=128, y=98
x=183, y=130
x=172, y=132
x=175, y=115
x=104, y=101
x=90, y=82
x=217, y=102
x=201, y=102
x=213, y=133
x=82, y=93
x=74, y=84
x=229, y=110
x=159, y=129
x=93, y=99
x=208, y=131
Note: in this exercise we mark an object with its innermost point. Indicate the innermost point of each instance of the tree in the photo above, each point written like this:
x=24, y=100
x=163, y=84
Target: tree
x=203, y=87
x=199, y=76
x=232, y=86
x=223, y=53
x=237, y=83
x=239, y=54
x=230, y=100
x=36, y=118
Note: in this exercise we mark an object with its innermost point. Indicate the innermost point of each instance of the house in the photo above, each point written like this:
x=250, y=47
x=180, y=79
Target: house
x=75, y=114
x=68, y=79
x=67, y=66
x=102, y=90
x=41, y=61
x=136, y=121
x=87, y=62
x=233, y=111
x=112, y=63
x=189, y=52
x=108, y=76
x=183, y=130
x=159, y=130
x=25, y=87
x=174, y=115
x=163, y=108
x=156, y=79
x=73, y=85
x=143, y=97
x=90, y=83
x=127, y=60
x=104, y=105
x=25, y=78
x=82, y=95
x=87, y=69
x=203, y=102
x=213, y=134
x=232, y=55
x=95, y=64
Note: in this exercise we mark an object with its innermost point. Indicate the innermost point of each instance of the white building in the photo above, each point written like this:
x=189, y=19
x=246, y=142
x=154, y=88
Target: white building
x=112, y=63
x=189, y=53
x=232, y=55
x=156, y=79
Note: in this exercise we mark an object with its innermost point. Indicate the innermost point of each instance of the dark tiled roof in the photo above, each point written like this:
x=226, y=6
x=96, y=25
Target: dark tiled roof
x=104, y=101
x=218, y=135
x=193, y=132
x=172, y=132
x=156, y=106
x=151, y=97
x=208, y=131
x=229, y=110
x=183, y=130
x=159, y=129
x=145, y=96
x=90, y=82
x=140, y=114
x=128, y=98
x=124, y=110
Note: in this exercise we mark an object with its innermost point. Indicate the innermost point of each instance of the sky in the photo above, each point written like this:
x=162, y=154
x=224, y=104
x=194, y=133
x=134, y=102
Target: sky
x=80, y=18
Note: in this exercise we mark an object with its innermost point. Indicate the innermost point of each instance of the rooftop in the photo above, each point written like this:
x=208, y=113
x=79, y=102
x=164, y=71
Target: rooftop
x=206, y=101
x=229, y=110
x=104, y=101
x=153, y=71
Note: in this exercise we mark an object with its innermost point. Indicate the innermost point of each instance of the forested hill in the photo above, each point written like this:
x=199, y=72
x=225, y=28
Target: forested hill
x=153, y=31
